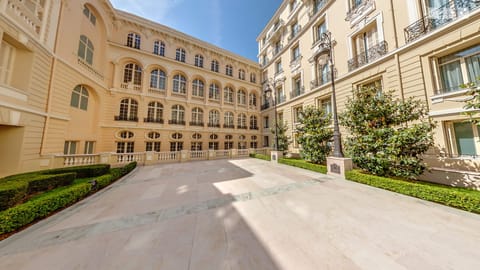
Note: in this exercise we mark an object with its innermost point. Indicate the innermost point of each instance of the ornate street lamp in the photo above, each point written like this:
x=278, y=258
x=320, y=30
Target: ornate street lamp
x=271, y=94
x=326, y=57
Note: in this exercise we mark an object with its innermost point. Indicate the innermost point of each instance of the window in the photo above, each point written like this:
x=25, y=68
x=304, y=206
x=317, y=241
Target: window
x=228, y=94
x=293, y=4
x=229, y=70
x=159, y=48
x=179, y=84
x=158, y=79
x=125, y=147
x=132, y=74
x=228, y=120
x=176, y=146
x=198, y=88
x=377, y=84
x=180, y=55
x=178, y=114
x=152, y=146
x=325, y=105
x=197, y=116
x=88, y=13
x=263, y=59
x=196, y=146
x=355, y=3
x=89, y=147
x=266, y=122
x=253, y=143
x=266, y=141
x=199, y=60
x=85, y=50
x=197, y=136
x=294, y=30
x=459, y=67
x=214, y=118
x=177, y=136
x=365, y=40
x=318, y=31
x=467, y=138
x=214, y=66
x=155, y=112
x=214, y=92
x=242, y=121
x=70, y=148
x=133, y=40
x=228, y=142
x=252, y=100
x=278, y=67
x=126, y=134
x=79, y=98
x=7, y=59
x=253, y=78
x=295, y=53
x=241, y=74
x=153, y=135
x=253, y=122
x=277, y=47
x=241, y=97
x=297, y=87
x=213, y=145
x=128, y=110
x=213, y=136
x=297, y=114
x=242, y=144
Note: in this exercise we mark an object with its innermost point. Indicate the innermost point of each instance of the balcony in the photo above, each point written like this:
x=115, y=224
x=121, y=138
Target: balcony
x=253, y=127
x=297, y=92
x=242, y=127
x=368, y=56
x=321, y=81
x=196, y=124
x=277, y=50
x=126, y=118
x=265, y=106
x=130, y=86
x=214, y=125
x=436, y=18
x=229, y=126
x=27, y=14
x=296, y=63
x=275, y=30
x=176, y=122
x=153, y=120
x=358, y=11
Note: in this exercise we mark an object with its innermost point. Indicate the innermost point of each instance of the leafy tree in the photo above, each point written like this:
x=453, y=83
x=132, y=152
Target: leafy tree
x=473, y=104
x=314, y=134
x=283, y=139
x=387, y=135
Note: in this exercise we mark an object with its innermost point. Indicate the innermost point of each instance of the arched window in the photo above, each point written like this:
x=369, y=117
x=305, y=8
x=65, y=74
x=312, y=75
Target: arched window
x=198, y=88
x=252, y=100
x=214, y=66
x=253, y=122
x=159, y=48
x=214, y=118
x=154, y=113
x=133, y=40
x=228, y=137
x=128, y=110
x=197, y=136
x=242, y=121
x=178, y=115
x=228, y=142
x=152, y=135
x=125, y=134
x=199, y=60
x=158, y=79
x=241, y=74
x=79, y=97
x=253, y=78
x=177, y=136
x=197, y=117
x=229, y=70
x=153, y=144
x=179, y=84
x=180, y=55
x=228, y=94
x=214, y=92
x=228, y=120
x=241, y=97
x=85, y=49
x=132, y=74
x=89, y=14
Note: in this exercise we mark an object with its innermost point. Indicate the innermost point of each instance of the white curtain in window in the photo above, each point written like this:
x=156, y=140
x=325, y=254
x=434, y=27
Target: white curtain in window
x=451, y=76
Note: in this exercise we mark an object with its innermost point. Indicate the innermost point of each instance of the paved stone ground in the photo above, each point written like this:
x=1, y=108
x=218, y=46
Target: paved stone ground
x=246, y=214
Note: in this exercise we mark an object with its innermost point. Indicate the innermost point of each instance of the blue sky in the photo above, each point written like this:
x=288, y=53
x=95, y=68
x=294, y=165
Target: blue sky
x=229, y=24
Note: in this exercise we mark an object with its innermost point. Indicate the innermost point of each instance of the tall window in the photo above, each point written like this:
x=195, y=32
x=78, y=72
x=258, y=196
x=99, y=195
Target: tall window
x=197, y=116
x=89, y=147
x=253, y=78
x=242, y=121
x=228, y=94
x=176, y=146
x=132, y=73
x=196, y=146
x=228, y=142
x=214, y=118
x=179, y=84
x=85, y=50
x=133, y=40
x=214, y=92
x=198, y=88
x=159, y=48
x=155, y=112
x=253, y=122
x=125, y=147
x=229, y=70
x=294, y=30
x=228, y=119
x=467, y=138
x=89, y=14
x=79, y=98
x=295, y=53
x=178, y=114
x=241, y=97
x=128, y=110
x=459, y=67
x=180, y=55
x=214, y=66
x=278, y=67
x=318, y=30
x=365, y=40
x=252, y=100
x=241, y=74
x=199, y=60
x=70, y=148
x=297, y=114
x=325, y=105
x=266, y=122
x=153, y=144
x=7, y=60
x=158, y=79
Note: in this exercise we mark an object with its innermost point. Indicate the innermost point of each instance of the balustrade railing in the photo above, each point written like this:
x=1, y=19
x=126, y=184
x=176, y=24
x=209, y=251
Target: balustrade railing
x=368, y=56
x=168, y=156
x=129, y=157
x=78, y=160
x=198, y=155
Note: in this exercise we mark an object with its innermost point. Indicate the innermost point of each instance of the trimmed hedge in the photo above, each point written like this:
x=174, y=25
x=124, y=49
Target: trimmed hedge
x=47, y=203
x=47, y=182
x=11, y=193
x=300, y=163
x=82, y=171
x=461, y=198
x=260, y=156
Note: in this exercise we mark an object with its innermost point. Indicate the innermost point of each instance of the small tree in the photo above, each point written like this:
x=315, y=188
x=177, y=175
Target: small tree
x=314, y=134
x=283, y=139
x=473, y=104
x=387, y=135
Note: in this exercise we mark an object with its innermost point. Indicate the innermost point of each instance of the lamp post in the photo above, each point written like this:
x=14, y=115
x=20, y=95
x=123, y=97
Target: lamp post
x=326, y=48
x=271, y=93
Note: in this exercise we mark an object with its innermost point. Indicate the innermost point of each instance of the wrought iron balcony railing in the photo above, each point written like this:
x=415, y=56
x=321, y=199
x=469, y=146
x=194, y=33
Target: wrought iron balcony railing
x=436, y=18
x=153, y=120
x=228, y=126
x=214, y=125
x=297, y=92
x=196, y=124
x=126, y=118
x=254, y=127
x=176, y=122
x=358, y=9
x=242, y=127
x=368, y=56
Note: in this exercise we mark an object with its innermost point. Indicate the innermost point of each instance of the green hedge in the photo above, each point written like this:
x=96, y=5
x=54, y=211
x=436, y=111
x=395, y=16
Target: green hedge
x=11, y=193
x=300, y=163
x=47, y=182
x=260, y=156
x=461, y=198
x=82, y=171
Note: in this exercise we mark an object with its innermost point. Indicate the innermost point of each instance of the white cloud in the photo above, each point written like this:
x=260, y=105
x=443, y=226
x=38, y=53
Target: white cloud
x=155, y=10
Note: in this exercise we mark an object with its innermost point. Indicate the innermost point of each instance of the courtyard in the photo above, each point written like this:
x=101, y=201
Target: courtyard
x=246, y=214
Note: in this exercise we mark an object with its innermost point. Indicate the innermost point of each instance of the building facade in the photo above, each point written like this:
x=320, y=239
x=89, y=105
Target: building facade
x=82, y=78
x=421, y=48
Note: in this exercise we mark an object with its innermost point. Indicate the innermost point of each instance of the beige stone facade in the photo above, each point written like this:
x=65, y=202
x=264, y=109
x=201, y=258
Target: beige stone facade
x=422, y=49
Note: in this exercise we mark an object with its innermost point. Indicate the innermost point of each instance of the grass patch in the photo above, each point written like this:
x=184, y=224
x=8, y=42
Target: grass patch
x=462, y=198
x=260, y=156
x=300, y=163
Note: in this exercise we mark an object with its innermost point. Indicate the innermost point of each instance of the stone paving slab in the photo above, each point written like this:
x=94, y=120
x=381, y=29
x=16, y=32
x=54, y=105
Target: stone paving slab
x=246, y=214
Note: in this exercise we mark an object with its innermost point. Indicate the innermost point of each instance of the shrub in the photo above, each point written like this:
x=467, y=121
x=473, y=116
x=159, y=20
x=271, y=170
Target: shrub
x=315, y=134
x=283, y=138
x=82, y=171
x=105, y=180
x=47, y=182
x=461, y=198
x=304, y=165
x=11, y=193
x=260, y=156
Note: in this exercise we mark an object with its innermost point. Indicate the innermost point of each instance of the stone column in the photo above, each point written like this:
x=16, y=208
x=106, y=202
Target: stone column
x=275, y=155
x=338, y=166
